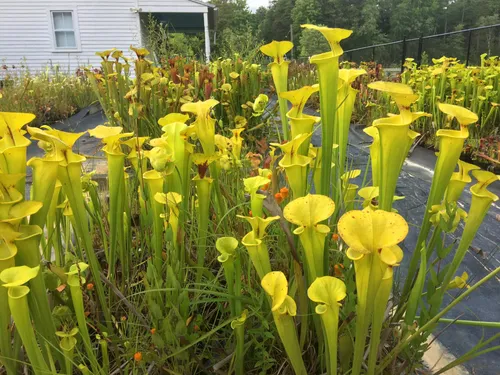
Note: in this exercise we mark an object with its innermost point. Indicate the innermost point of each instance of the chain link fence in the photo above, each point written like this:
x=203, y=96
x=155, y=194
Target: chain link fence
x=466, y=45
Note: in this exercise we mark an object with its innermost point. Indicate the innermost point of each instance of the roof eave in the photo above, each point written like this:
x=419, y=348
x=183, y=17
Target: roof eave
x=203, y=3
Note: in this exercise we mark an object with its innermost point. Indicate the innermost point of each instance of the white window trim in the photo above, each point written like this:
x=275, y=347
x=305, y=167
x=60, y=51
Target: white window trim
x=74, y=15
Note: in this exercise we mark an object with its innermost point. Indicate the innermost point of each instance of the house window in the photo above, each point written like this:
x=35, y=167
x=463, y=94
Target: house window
x=64, y=30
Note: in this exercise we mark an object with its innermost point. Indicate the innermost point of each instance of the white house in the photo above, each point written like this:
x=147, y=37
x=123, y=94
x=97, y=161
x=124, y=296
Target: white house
x=37, y=33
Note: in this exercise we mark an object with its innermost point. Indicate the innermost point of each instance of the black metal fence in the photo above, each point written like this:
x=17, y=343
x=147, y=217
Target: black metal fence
x=466, y=45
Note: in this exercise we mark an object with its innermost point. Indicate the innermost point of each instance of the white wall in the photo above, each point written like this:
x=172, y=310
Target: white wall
x=26, y=32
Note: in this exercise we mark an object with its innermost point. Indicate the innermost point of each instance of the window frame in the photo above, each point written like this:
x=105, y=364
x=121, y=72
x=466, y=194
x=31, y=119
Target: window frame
x=76, y=31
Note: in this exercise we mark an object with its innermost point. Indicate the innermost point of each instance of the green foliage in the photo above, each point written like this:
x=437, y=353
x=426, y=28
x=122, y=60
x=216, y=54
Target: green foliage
x=232, y=14
x=190, y=46
x=243, y=43
x=276, y=24
x=51, y=95
x=381, y=21
x=157, y=91
x=311, y=43
x=164, y=44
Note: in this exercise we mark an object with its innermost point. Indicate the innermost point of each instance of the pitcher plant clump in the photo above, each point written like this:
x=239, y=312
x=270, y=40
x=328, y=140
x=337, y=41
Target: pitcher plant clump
x=215, y=243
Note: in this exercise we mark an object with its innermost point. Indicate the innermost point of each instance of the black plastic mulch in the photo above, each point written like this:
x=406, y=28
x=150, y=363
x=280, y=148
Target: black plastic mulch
x=483, y=256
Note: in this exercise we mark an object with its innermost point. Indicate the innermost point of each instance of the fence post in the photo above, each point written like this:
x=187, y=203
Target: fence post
x=403, y=55
x=419, y=53
x=350, y=57
x=373, y=54
x=469, y=40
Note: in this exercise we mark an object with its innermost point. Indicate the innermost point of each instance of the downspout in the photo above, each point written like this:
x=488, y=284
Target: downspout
x=207, y=35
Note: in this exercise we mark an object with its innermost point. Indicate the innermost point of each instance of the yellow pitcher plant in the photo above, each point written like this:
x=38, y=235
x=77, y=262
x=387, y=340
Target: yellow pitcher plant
x=8, y=251
x=67, y=345
x=349, y=190
x=13, y=213
x=58, y=145
x=226, y=246
x=393, y=132
x=172, y=201
x=9, y=195
x=328, y=72
x=237, y=144
x=14, y=279
x=164, y=257
x=328, y=291
x=252, y=185
x=346, y=96
x=284, y=309
x=229, y=257
x=111, y=137
x=75, y=280
x=204, y=191
x=450, y=147
x=481, y=201
x=279, y=70
x=372, y=131
x=394, y=139
x=254, y=241
x=370, y=197
x=174, y=126
x=295, y=164
x=154, y=182
x=44, y=179
x=204, y=125
x=301, y=123
x=372, y=238
x=459, y=180
x=13, y=143
x=308, y=213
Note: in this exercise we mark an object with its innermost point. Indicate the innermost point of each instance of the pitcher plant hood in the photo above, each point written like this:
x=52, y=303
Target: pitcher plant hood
x=368, y=231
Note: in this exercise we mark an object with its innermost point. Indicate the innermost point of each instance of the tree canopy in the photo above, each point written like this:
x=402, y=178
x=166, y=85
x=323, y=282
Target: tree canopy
x=373, y=21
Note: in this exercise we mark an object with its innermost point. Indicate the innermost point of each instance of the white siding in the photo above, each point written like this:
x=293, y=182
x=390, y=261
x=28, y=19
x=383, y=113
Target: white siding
x=26, y=31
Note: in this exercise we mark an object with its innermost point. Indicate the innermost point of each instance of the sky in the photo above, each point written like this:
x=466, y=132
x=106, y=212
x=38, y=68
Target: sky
x=255, y=4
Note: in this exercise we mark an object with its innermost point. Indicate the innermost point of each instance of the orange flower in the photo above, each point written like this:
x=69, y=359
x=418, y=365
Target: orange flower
x=123, y=318
x=338, y=268
x=279, y=198
x=90, y=286
x=138, y=357
x=250, y=213
x=335, y=237
x=153, y=331
x=265, y=187
x=284, y=192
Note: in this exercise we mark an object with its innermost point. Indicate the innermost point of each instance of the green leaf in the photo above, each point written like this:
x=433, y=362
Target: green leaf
x=443, y=251
x=416, y=292
x=345, y=352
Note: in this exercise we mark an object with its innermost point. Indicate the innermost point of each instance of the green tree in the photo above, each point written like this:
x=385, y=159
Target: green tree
x=276, y=25
x=256, y=19
x=368, y=32
x=244, y=43
x=306, y=11
x=232, y=14
x=311, y=43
